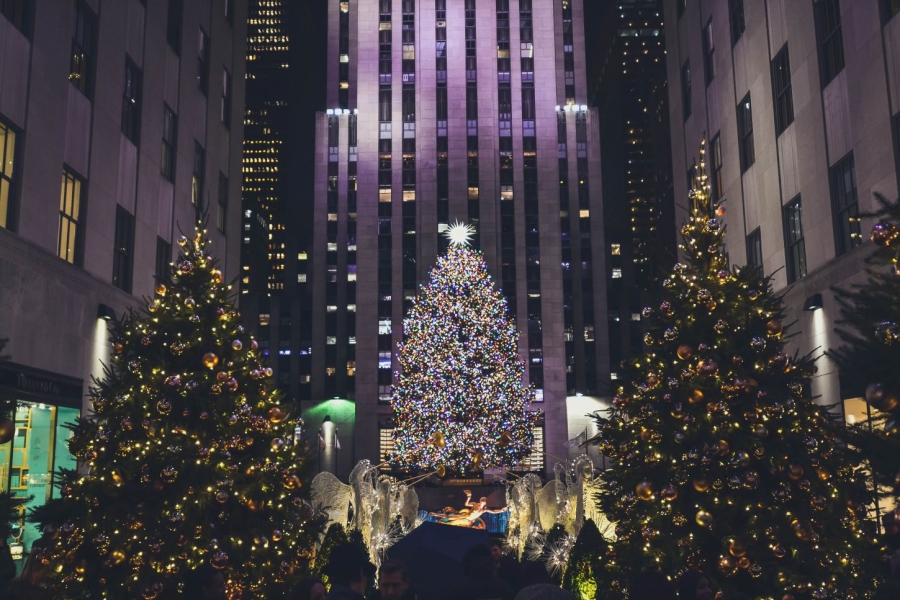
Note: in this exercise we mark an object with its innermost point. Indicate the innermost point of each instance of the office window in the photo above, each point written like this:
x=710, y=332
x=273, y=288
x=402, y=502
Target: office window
x=81, y=67
x=830, y=39
x=225, y=105
x=781, y=87
x=16, y=12
x=709, y=53
x=123, y=250
x=754, y=252
x=197, y=175
x=202, y=60
x=69, y=213
x=535, y=460
x=131, y=102
x=846, y=206
x=745, y=133
x=686, y=90
x=794, y=247
x=169, y=137
x=223, y=202
x=8, y=148
x=736, y=14
x=229, y=11
x=163, y=259
x=717, y=180
x=173, y=24
x=889, y=8
x=680, y=6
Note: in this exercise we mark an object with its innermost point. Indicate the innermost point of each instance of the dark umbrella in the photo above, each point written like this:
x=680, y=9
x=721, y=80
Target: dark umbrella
x=433, y=555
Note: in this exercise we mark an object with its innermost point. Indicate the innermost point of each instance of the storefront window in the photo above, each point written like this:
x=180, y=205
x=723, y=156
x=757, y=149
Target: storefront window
x=39, y=447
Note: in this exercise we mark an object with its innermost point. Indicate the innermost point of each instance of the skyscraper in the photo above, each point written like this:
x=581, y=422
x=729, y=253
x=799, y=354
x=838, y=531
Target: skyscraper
x=800, y=102
x=446, y=110
x=629, y=88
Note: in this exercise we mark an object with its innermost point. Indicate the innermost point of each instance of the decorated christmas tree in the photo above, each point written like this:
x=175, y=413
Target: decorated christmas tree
x=459, y=401
x=189, y=455
x=724, y=463
x=582, y=575
x=870, y=354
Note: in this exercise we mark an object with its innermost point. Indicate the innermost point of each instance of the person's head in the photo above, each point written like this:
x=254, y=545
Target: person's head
x=477, y=562
x=205, y=582
x=393, y=581
x=309, y=589
x=694, y=585
x=349, y=566
x=651, y=586
x=496, y=549
x=482, y=502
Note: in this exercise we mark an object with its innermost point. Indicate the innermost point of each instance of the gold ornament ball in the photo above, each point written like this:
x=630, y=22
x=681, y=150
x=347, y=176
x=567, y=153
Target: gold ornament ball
x=644, y=490
x=695, y=396
x=670, y=492
x=210, y=360
x=774, y=328
x=236, y=345
x=795, y=472
x=222, y=376
x=703, y=518
x=720, y=211
x=277, y=414
x=217, y=276
x=736, y=548
x=779, y=551
x=727, y=566
x=161, y=289
x=221, y=496
x=684, y=352
x=701, y=485
x=277, y=535
x=219, y=560
x=117, y=557
x=7, y=430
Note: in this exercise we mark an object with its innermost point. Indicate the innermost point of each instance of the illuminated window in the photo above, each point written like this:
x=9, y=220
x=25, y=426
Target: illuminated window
x=535, y=460
x=617, y=273
x=69, y=213
x=82, y=60
x=615, y=249
x=7, y=171
x=385, y=436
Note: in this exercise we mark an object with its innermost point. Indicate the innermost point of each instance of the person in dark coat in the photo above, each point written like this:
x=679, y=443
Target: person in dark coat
x=348, y=571
x=308, y=589
x=694, y=585
x=508, y=568
x=480, y=581
x=205, y=583
x=393, y=582
x=31, y=582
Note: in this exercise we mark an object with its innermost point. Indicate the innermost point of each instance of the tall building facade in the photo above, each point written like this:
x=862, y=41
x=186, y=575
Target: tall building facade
x=800, y=102
x=455, y=110
x=120, y=122
x=629, y=86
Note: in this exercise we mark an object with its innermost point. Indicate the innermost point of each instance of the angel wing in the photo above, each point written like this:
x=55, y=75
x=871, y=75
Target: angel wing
x=333, y=497
x=547, y=503
x=409, y=507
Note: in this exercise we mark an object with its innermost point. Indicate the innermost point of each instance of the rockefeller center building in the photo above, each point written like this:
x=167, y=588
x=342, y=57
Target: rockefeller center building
x=441, y=111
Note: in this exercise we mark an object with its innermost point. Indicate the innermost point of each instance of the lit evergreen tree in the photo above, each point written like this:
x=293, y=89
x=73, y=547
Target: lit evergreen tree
x=724, y=462
x=459, y=400
x=582, y=574
x=870, y=354
x=190, y=455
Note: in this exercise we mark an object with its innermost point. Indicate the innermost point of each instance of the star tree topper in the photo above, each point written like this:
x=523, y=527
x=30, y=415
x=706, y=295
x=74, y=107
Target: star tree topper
x=460, y=234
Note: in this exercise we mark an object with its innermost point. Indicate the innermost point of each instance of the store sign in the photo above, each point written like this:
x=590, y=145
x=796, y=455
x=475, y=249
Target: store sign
x=31, y=382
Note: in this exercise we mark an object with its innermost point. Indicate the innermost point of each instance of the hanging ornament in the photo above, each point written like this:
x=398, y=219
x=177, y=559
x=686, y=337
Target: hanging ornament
x=884, y=233
x=219, y=560
x=685, y=352
x=210, y=360
x=217, y=276
x=774, y=328
x=276, y=414
x=644, y=490
x=879, y=398
x=701, y=485
x=236, y=345
x=736, y=548
x=703, y=518
x=707, y=366
x=7, y=430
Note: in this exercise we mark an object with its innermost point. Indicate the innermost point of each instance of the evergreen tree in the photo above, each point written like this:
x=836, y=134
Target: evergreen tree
x=459, y=400
x=189, y=452
x=334, y=537
x=870, y=354
x=582, y=574
x=724, y=462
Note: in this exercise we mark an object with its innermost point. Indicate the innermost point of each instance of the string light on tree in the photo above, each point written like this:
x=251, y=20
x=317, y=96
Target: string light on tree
x=459, y=402
x=724, y=462
x=189, y=452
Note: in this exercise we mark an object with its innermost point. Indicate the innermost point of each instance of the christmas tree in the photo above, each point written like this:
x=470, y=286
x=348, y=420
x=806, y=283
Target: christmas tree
x=724, y=462
x=189, y=453
x=585, y=563
x=459, y=400
x=870, y=354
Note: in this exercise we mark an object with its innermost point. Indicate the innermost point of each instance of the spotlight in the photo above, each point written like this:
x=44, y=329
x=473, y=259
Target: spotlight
x=106, y=313
x=812, y=303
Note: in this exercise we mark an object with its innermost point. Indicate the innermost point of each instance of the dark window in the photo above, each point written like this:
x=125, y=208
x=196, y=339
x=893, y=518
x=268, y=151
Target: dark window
x=709, y=53
x=781, y=87
x=830, y=38
x=67, y=247
x=131, y=102
x=8, y=155
x=169, y=137
x=163, y=258
x=173, y=25
x=754, y=252
x=225, y=107
x=229, y=11
x=736, y=14
x=17, y=12
x=223, y=203
x=715, y=161
x=686, y=90
x=123, y=252
x=794, y=247
x=81, y=68
x=745, y=133
x=889, y=8
x=197, y=175
x=680, y=6
x=202, y=60
x=846, y=206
